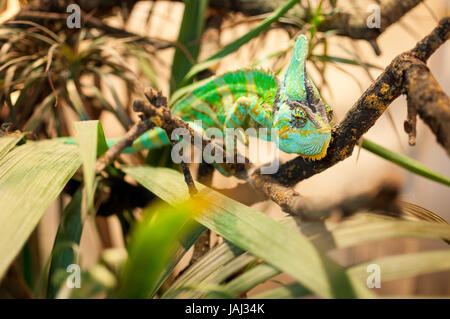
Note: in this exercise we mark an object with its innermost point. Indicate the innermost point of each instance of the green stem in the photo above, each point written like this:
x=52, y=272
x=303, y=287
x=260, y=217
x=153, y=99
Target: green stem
x=405, y=162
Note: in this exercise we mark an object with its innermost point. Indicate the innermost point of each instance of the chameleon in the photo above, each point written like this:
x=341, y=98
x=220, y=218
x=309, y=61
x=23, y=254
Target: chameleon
x=255, y=98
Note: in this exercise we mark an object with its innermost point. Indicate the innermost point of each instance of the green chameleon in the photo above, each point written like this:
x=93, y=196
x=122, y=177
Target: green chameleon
x=254, y=99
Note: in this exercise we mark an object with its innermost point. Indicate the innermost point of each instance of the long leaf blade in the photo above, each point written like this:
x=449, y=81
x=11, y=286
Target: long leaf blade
x=8, y=142
x=31, y=178
x=66, y=240
x=190, y=31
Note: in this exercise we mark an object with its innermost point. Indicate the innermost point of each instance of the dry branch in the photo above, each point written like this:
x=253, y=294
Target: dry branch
x=344, y=23
x=355, y=25
x=426, y=98
x=383, y=198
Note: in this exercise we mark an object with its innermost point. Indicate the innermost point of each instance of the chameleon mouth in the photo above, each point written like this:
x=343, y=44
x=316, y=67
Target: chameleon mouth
x=317, y=156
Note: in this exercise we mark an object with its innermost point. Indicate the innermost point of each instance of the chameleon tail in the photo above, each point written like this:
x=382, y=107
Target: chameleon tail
x=151, y=139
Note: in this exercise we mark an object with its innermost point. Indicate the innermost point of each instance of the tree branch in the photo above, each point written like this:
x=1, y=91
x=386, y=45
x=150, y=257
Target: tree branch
x=426, y=97
x=355, y=25
x=345, y=23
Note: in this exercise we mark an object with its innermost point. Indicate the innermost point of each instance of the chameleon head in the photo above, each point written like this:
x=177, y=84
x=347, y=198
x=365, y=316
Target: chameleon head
x=299, y=114
x=302, y=131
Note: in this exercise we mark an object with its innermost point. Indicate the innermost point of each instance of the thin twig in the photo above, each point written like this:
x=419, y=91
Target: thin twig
x=113, y=153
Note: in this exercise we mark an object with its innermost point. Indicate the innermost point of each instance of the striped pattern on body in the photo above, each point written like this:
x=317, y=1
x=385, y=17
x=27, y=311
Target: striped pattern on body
x=212, y=102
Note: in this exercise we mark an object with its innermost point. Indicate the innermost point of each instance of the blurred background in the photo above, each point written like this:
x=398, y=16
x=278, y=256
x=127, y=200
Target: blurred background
x=162, y=19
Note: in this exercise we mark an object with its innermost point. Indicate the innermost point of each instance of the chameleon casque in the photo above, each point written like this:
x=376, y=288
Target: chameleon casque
x=254, y=98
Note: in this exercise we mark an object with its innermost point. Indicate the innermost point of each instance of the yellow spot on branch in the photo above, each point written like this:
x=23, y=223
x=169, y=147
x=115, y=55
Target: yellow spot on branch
x=384, y=88
x=343, y=153
x=372, y=101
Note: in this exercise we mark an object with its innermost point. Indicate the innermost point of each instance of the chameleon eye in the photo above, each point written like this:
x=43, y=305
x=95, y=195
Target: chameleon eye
x=298, y=121
x=329, y=114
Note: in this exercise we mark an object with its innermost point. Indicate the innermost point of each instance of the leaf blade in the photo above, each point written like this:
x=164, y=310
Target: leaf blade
x=31, y=177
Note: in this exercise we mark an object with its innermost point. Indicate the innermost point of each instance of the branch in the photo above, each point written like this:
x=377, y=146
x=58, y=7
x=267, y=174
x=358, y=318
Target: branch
x=154, y=114
x=113, y=153
x=355, y=25
x=408, y=74
x=345, y=23
x=426, y=97
x=383, y=198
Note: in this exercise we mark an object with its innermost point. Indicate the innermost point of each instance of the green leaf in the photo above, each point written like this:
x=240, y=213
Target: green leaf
x=250, y=279
x=95, y=283
x=75, y=99
x=256, y=233
x=365, y=227
x=104, y=102
x=31, y=178
x=39, y=112
x=338, y=235
x=152, y=246
x=8, y=142
x=236, y=44
x=406, y=265
x=120, y=110
x=148, y=71
x=392, y=267
x=212, y=262
x=405, y=162
x=189, y=34
x=186, y=244
x=290, y=291
x=66, y=242
x=343, y=60
x=92, y=143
